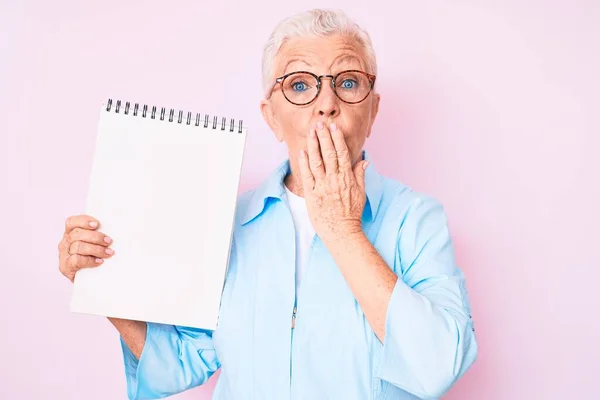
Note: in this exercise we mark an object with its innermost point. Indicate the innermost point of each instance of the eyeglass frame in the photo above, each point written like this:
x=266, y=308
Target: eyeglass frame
x=282, y=78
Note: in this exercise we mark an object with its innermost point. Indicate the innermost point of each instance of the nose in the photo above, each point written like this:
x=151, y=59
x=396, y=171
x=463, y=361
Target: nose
x=327, y=102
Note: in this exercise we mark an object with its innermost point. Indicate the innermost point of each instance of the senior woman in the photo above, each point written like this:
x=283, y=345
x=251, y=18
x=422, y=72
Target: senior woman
x=342, y=283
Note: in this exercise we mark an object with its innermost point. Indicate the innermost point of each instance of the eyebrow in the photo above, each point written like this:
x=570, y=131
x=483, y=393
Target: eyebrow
x=294, y=60
x=347, y=57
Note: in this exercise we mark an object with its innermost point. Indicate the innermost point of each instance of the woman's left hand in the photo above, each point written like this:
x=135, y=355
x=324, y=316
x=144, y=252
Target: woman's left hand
x=334, y=189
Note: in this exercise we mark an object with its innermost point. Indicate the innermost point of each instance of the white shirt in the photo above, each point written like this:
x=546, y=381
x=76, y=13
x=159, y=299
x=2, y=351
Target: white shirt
x=304, y=232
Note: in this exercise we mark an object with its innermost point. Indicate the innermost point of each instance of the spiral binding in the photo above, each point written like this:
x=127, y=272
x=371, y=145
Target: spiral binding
x=187, y=120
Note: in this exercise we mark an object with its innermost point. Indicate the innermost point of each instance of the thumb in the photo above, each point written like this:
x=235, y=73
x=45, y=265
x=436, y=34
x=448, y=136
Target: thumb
x=359, y=173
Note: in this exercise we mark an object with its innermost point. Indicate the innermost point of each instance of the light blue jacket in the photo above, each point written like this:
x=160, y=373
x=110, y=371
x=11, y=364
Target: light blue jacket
x=332, y=353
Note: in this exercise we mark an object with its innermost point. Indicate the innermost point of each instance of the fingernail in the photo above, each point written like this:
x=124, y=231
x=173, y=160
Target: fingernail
x=107, y=239
x=301, y=153
x=109, y=251
x=312, y=133
x=365, y=165
x=98, y=261
x=319, y=125
x=93, y=224
x=333, y=127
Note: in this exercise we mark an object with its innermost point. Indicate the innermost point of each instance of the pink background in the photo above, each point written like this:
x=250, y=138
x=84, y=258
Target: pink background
x=494, y=109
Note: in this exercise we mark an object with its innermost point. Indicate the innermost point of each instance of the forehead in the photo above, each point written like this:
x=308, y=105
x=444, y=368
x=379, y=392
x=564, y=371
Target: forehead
x=321, y=55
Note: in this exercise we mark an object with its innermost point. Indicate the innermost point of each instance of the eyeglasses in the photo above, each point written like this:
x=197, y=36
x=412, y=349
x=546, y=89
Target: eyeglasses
x=302, y=87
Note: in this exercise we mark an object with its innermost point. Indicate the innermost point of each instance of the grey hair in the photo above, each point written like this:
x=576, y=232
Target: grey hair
x=313, y=23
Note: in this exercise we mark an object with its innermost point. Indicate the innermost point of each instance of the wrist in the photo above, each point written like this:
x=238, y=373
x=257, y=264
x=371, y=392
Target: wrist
x=348, y=234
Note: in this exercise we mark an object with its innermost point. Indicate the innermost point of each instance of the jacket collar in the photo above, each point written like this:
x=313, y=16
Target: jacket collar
x=273, y=188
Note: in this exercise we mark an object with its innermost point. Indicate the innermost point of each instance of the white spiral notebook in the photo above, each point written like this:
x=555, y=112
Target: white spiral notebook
x=164, y=186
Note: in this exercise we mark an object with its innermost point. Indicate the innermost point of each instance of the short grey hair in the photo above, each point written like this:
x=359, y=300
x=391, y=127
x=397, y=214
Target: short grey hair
x=313, y=23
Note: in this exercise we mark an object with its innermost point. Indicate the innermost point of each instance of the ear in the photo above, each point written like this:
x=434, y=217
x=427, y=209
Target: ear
x=268, y=113
x=374, y=111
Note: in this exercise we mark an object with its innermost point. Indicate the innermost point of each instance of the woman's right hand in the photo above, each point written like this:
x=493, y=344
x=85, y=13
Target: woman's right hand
x=82, y=245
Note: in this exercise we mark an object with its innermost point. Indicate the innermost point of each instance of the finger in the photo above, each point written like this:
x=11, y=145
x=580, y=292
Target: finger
x=63, y=252
x=86, y=235
x=359, y=173
x=87, y=249
x=308, y=180
x=80, y=221
x=64, y=244
x=76, y=262
x=314, y=155
x=327, y=149
x=341, y=149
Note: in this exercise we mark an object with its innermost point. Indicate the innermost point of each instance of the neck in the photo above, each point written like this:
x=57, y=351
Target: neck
x=292, y=180
x=293, y=183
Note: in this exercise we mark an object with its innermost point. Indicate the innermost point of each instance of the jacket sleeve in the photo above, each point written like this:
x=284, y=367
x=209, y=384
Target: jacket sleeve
x=429, y=337
x=173, y=360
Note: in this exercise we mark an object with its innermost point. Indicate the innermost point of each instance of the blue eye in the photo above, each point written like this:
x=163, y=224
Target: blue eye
x=299, y=86
x=349, y=84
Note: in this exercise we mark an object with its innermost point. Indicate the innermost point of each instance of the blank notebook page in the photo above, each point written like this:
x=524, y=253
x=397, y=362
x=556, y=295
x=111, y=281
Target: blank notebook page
x=165, y=192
